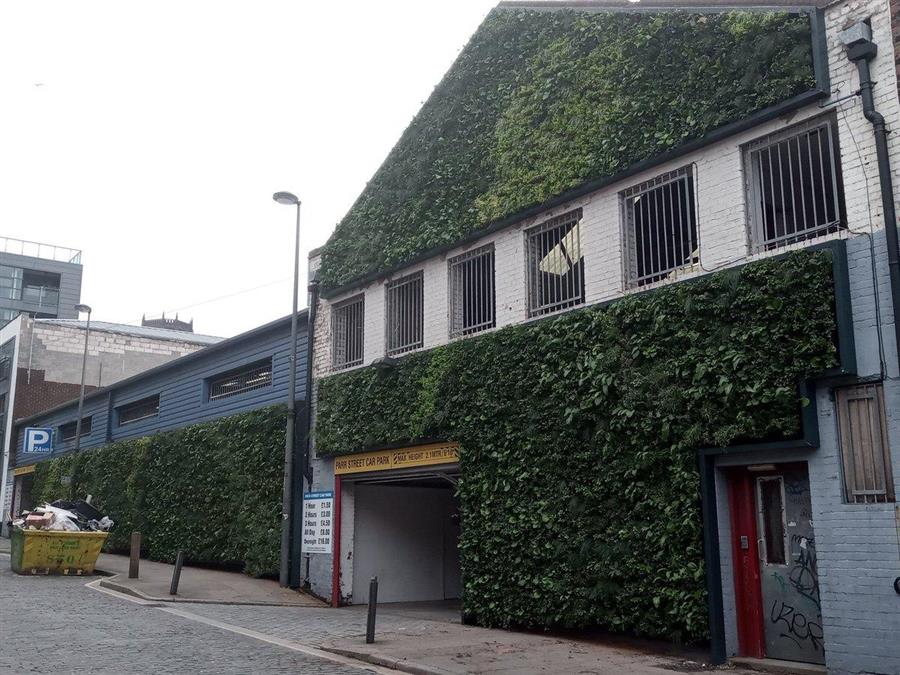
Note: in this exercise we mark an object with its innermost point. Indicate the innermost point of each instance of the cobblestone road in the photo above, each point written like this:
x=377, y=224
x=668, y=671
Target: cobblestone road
x=58, y=625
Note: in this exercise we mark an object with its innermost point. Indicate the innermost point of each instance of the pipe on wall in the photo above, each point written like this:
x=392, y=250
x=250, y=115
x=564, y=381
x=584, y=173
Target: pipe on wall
x=861, y=50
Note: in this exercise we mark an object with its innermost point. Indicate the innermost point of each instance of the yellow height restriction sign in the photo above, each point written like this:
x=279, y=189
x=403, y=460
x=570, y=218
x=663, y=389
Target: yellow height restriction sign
x=402, y=458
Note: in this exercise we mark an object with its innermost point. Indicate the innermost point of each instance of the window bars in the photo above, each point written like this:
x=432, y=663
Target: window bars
x=347, y=333
x=471, y=286
x=555, y=263
x=794, y=186
x=660, y=228
x=404, y=314
x=139, y=410
x=248, y=378
x=865, y=453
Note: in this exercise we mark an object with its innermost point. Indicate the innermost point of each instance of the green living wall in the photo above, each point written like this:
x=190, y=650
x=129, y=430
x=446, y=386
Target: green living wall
x=579, y=434
x=211, y=489
x=543, y=101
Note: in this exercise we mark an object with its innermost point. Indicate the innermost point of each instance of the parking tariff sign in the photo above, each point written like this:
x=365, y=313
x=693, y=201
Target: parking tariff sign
x=318, y=509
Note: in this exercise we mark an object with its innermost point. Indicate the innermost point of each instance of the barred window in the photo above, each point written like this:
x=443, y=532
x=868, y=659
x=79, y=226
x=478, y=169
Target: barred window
x=660, y=228
x=865, y=453
x=404, y=314
x=347, y=332
x=67, y=430
x=471, y=291
x=555, y=264
x=138, y=410
x=794, y=185
x=251, y=377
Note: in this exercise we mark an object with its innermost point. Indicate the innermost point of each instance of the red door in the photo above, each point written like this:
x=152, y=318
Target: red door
x=747, y=588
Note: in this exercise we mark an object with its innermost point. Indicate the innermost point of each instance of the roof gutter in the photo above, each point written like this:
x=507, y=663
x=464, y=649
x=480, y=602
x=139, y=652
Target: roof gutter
x=861, y=50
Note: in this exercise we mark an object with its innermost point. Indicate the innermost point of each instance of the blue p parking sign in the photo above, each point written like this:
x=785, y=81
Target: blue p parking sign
x=38, y=440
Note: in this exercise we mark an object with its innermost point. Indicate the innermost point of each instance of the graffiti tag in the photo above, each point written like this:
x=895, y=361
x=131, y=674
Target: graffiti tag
x=794, y=625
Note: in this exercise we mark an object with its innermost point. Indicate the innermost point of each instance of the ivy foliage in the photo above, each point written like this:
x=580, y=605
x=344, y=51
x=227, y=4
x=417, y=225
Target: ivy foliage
x=542, y=101
x=579, y=489
x=212, y=490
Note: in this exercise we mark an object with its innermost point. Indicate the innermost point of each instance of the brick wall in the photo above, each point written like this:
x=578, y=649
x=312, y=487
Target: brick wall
x=35, y=394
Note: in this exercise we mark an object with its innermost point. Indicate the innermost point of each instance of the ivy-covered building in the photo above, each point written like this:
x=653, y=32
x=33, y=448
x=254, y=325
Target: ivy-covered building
x=608, y=339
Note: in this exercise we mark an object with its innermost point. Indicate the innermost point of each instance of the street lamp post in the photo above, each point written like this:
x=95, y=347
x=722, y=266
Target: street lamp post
x=87, y=334
x=286, y=495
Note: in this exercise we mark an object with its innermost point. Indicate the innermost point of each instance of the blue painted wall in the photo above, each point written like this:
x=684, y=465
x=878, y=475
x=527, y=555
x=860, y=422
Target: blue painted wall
x=183, y=391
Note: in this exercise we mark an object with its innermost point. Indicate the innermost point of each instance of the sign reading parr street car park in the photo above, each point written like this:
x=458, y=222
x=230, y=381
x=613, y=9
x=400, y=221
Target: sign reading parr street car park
x=318, y=510
x=421, y=455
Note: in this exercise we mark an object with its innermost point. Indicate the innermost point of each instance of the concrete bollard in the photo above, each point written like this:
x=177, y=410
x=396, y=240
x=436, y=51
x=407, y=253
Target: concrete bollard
x=370, y=620
x=176, y=574
x=135, y=562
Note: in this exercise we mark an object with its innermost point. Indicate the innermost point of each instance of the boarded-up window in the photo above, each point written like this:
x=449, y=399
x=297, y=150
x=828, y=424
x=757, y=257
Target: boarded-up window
x=865, y=453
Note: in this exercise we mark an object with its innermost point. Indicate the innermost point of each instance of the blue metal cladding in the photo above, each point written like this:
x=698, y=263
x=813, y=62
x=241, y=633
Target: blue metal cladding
x=182, y=386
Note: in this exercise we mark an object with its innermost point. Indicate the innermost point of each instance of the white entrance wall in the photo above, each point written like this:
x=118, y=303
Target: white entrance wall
x=407, y=537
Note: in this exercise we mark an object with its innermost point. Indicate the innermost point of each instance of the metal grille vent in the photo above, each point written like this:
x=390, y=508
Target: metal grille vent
x=249, y=378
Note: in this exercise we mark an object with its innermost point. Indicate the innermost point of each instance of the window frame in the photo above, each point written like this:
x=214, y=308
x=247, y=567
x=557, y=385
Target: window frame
x=406, y=280
x=533, y=262
x=456, y=298
x=233, y=372
x=849, y=482
x=134, y=404
x=756, y=240
x=761, y=520
x=344, y=306
x=627, y=198
x=87, y=425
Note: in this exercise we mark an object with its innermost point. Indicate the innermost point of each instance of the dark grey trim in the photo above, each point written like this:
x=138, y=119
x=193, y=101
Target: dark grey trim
x=176, y=363
x=711, y=557
x=655, y=6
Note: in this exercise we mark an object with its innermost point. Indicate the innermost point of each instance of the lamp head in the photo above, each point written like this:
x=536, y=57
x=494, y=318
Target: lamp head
x=286, y=198
x=83, y=308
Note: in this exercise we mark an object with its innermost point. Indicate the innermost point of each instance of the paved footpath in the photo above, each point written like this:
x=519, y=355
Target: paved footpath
x=60, y=625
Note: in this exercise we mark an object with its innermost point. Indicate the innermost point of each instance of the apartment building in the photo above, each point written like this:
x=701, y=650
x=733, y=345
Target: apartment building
x=41, y=280
x=794, y=550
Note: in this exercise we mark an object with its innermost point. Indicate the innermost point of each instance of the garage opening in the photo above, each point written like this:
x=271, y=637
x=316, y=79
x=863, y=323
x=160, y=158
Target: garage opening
x=404, y=529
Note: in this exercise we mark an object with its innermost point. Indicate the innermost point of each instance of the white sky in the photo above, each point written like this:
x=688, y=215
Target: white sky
x=161, y=129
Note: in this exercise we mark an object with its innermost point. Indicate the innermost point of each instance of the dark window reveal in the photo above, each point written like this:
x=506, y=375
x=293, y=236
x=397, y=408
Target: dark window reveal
x=771, y=515
x=794, y=186
x=139, y=410
x=67, y=430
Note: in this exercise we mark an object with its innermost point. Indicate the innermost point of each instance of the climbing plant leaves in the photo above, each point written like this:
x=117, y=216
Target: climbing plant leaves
x=212, y=490
x=539, y=102
x=579, y=436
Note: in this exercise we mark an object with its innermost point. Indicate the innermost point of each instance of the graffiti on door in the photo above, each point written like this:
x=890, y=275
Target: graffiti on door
x=790, y=582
